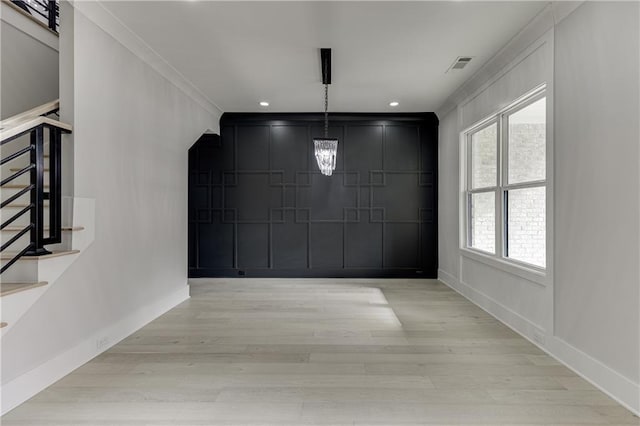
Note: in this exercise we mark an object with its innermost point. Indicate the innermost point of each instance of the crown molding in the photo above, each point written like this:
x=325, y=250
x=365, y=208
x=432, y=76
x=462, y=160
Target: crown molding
x=109, y=23
x=562, y=9
x=544, y=21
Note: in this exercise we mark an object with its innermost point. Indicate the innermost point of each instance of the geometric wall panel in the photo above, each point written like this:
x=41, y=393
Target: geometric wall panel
x=326, y=243
x=363, y=244
x=402, y=248
x=258, y=205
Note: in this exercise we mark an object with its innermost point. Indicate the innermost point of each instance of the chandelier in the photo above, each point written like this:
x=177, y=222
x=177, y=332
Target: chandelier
x=326, y=148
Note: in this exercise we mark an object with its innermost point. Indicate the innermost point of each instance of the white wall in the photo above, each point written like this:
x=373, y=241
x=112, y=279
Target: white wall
x=67, y=112
x=448, y=195
x=586, y=314
x=524, y=302
x=597, y=193
x=28, y=63
x=132, y=131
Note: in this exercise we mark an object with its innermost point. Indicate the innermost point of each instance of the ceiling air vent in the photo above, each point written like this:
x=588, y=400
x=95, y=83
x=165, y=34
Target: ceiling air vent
x=460, y=63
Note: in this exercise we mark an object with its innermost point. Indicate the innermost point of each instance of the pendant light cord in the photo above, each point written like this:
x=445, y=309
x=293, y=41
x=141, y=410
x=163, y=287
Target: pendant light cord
x=326, y=111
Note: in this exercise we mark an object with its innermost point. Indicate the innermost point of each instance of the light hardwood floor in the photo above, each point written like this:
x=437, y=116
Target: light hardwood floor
x=338, y=352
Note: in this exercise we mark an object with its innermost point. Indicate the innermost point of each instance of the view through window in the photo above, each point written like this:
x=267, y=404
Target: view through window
x=506, y=183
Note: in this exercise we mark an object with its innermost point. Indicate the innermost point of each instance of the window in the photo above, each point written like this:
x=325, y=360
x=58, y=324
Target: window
x=483, y=161
x=506, y=184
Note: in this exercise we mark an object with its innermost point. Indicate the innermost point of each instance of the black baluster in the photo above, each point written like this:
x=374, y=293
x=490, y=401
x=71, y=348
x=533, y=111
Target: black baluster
x=51, y=9
x=37, y=193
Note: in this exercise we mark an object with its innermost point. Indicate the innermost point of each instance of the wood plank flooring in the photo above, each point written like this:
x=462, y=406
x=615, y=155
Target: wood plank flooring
x=332, y=352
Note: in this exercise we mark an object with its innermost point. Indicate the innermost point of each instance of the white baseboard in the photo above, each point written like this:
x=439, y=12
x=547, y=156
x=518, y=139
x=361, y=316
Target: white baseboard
x=609, y=381
x=29, y=384
x=511, y=318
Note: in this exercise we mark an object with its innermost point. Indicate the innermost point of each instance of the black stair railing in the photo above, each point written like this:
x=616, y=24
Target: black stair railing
x=42, y=130
x=46, y=11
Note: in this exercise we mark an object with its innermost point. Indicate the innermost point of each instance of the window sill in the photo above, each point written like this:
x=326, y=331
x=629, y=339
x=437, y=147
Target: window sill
x=529, y=274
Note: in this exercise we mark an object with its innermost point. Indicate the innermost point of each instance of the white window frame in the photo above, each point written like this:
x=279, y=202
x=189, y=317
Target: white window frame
x=499, y=258
x=487, y=189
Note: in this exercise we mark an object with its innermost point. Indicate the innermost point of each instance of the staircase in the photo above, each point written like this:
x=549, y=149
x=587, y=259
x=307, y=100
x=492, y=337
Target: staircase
x=38, y=234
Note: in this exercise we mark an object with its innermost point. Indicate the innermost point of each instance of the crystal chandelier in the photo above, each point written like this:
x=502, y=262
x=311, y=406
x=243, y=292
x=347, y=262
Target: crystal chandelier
x=326, y=149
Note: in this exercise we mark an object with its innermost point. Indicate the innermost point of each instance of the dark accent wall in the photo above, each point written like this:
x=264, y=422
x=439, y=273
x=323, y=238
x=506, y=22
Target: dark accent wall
x=259, y=206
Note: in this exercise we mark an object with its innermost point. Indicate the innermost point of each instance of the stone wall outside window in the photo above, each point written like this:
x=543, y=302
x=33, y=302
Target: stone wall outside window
x=527, y=231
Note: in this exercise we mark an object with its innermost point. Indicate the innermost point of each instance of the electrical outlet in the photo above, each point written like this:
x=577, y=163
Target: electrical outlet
x=102, y=344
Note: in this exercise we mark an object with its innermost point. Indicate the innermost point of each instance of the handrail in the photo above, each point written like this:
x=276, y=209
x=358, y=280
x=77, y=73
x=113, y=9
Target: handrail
x=44, y=12
x=22, y=127
x=44, y=109
x=38, y=127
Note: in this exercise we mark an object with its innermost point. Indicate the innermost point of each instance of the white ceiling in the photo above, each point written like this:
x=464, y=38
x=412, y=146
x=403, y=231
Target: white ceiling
x=240, y=53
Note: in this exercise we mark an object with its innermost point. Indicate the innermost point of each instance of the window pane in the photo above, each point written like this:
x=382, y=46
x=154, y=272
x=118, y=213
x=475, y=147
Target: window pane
x=526, y=225
x=527, y=143
x=482, y=234
x=484, y=157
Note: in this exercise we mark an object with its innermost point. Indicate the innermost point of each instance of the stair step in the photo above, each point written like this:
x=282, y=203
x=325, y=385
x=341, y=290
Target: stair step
x=23, y=205
x=11, y=288
x=17, y=169
x=10, y=255
x=18, y=186
x=64, y=228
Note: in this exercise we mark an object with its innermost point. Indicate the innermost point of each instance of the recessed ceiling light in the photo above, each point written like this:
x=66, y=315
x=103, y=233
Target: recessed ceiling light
x=264, y=104
x=394, y=103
